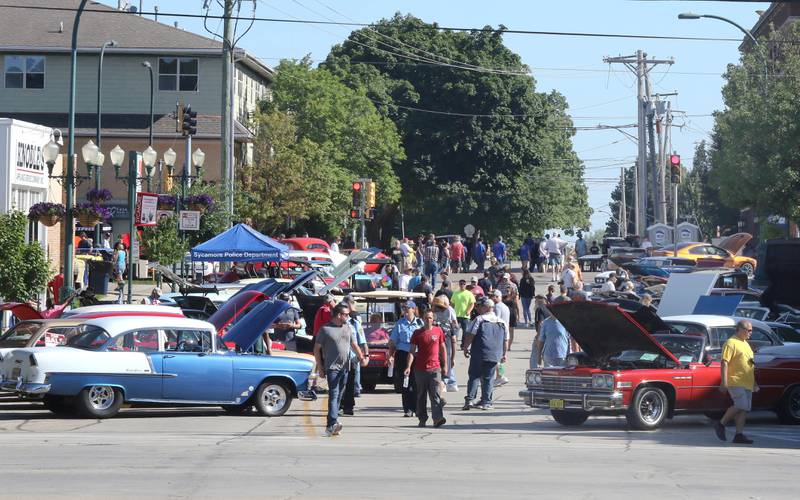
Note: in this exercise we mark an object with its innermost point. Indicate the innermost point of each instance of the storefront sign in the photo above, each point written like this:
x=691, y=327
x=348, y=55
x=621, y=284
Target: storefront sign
x=189, y=220
x=146, y=208
x=29, y=165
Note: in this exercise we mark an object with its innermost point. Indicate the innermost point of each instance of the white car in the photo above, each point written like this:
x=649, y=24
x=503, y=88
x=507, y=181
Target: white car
x=101, y=309
x=717, y=329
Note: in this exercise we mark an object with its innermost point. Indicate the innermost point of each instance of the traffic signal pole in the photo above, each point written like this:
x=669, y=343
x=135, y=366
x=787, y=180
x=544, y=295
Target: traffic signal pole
x=362, y=213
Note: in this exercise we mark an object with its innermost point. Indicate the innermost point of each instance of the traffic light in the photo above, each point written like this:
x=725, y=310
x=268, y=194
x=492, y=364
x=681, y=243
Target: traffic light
x=358, y=188
x=354, y=213
x=370, y=188
x=188, y=121
x=178, y=117
x=675, y=168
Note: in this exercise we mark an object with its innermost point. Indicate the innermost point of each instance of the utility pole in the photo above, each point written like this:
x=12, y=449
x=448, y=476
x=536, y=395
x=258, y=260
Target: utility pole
x=226, y=148
x=640, y=66
x=622, y=223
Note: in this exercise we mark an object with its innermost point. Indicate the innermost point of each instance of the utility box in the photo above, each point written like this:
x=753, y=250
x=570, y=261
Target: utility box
x=660, y=235
x=688, y=232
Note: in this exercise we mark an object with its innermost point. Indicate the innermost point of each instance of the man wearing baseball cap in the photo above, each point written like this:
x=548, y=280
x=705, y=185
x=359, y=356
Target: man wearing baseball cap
x=485, y=344
x=399, y=347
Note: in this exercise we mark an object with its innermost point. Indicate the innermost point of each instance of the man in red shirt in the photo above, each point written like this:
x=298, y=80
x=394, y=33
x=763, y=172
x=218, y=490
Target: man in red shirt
x=323, y=314
x=427, y=343
x=456, y=254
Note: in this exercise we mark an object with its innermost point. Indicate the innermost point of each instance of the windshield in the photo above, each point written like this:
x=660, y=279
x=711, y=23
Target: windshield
x=687, y=349
x=20, y=335
x=91, y=338
x=787, y=333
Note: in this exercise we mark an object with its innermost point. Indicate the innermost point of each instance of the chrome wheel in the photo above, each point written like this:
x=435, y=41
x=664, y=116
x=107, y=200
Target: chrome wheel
x=651, y=407
x=274, y=398
x=747, y=267
x=101, y=397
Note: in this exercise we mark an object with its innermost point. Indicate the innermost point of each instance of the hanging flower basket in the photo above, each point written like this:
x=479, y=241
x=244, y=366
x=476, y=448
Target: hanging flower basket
x=166, y=202
x=199, y=202
x=90, y=214
x=98, y=196
x=48, y=214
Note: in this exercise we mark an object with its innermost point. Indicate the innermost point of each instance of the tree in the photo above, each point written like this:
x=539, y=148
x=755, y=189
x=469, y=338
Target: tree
x=163, y=243
x=612, y=225
x=340, y=136
x=290, y=179
x=25, y=270
x=756, y=147
x=698, y=200
x=483, y=146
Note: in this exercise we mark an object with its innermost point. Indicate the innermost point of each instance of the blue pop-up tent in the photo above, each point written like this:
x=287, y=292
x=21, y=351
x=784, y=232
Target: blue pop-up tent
x=241, y=243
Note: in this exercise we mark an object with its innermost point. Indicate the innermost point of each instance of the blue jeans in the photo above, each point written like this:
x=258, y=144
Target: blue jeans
x=526, y=309
x=337, y=379
x=358, y=377
x=451, y=373
x=480, y=373
x=430, y=271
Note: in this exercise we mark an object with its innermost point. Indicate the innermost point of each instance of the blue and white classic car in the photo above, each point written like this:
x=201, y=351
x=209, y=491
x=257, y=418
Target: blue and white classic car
x=160, y=360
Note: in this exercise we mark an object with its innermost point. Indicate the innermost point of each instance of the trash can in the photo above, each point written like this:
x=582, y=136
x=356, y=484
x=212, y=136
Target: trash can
x=99, y=275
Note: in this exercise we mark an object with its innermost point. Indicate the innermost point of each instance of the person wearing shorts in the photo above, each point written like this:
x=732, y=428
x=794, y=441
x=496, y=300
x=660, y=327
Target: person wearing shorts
x=737, y=372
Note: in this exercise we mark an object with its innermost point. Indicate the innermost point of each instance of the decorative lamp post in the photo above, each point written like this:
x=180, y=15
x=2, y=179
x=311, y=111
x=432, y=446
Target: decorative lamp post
x=117, y=157
x=149, y=157
x=149, y=67
x=98, y=166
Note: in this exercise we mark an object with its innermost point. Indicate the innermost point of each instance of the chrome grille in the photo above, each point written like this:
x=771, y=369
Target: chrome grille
x=570, y=384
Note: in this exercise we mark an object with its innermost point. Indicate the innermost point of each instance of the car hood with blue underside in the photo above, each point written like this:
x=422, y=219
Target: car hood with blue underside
x=252, y=325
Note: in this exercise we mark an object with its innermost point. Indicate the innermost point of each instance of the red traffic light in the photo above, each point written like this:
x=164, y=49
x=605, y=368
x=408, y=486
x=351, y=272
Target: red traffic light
x=674, y=159
x=354, y=214
x=357, y=186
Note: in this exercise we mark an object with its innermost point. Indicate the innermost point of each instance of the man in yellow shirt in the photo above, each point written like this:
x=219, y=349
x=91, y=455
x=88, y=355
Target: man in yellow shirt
x=738, y=380
x=463, y=301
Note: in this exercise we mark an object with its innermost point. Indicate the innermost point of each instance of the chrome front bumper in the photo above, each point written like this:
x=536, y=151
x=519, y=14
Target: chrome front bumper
x=21, y=387
x=588, y=401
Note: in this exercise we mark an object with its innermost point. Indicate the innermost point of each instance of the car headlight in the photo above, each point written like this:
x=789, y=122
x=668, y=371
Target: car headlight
x=533, y=378
x=602, y=381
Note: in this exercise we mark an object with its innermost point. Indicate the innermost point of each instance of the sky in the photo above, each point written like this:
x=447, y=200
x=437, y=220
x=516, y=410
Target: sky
x=597, y=93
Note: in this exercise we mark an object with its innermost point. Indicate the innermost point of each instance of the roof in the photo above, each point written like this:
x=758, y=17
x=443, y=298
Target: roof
x=41, y=27
x=101, y=308
x=116, y=325
x=46, y=26
x=131, y=125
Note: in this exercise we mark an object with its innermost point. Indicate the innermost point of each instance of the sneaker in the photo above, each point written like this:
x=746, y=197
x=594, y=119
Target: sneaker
x=341, y=412
x=720, y=430
x=742, y=439
x=486, y=406
x=467, y=406
x=407, y=413
x=500, y=381
x=479, y=406
x=423, y=423
x=452, y=388
x=440, y=422
x=348, y=412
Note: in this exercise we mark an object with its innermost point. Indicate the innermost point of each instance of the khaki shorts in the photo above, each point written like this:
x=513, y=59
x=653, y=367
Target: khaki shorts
x=742, y=398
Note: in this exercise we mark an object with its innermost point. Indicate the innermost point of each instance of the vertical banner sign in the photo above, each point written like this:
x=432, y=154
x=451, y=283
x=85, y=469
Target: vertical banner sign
x=135, y=248
x=146, y=209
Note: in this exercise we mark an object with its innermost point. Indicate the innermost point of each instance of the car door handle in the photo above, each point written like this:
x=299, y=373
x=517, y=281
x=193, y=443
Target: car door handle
x=169, y=356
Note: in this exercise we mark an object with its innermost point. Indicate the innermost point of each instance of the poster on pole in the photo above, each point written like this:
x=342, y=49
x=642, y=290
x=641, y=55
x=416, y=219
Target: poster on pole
x=189, y=220
x=146, y=209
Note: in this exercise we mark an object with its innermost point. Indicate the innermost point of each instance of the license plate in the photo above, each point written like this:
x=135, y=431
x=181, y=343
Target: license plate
x=556, y=404
x=15, y=373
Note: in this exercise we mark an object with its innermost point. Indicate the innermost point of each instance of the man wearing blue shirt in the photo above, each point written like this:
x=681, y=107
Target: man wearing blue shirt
x=399, y=347
x=499, y=250
x=553, y=343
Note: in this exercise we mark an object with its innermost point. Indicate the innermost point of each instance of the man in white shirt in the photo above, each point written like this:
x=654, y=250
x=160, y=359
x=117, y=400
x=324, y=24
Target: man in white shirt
x=405, y=278
x=335, y=244
x=609, y=285
x=504, y=314
x=554, y=246
x=569, y=277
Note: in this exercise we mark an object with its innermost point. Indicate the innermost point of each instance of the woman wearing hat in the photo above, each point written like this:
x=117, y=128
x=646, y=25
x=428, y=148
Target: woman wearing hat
x=446, y=319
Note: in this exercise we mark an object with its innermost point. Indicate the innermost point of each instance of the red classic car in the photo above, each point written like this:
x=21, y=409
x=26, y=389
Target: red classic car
x=624, y=369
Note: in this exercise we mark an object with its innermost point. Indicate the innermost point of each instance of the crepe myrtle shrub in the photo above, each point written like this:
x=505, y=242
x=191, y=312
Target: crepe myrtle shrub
x=91, y=210
x=99, y=195
x=45, y=209
x=24, y=269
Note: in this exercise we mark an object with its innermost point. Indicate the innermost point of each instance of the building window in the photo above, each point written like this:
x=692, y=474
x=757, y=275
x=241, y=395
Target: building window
x=177, y=73
x=24, y=72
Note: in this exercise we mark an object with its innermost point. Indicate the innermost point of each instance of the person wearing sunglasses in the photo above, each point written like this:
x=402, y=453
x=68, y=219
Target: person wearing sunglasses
x=738, y=380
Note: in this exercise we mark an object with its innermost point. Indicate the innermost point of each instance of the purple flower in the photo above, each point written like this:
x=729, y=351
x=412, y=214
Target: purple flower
x=91, y=210
x=44, y=209
x=98, y=195
x=167, y=200
x=200, y=199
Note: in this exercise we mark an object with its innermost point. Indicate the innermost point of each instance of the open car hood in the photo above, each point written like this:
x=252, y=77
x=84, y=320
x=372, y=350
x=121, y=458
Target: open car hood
x=603, y=330
x=234, y=307
x=251, y=326
x=21, y=310
x=735, y=242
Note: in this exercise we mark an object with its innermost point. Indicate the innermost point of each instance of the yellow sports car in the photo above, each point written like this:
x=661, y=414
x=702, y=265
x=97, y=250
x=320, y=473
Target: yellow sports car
x=725, y=254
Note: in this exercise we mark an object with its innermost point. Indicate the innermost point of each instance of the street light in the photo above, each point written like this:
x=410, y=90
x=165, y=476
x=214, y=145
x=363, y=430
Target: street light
x=198, y=158
x=98, y=165
x=149, y=67
x=117, y=156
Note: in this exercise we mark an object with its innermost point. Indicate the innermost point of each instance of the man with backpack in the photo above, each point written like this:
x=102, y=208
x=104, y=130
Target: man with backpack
x=486, y=345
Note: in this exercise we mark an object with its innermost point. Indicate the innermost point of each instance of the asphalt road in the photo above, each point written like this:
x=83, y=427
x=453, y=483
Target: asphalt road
x=512, y=451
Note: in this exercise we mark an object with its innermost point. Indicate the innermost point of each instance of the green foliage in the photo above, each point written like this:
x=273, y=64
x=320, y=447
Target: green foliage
x=163, y=243
x=757, y=136
x=214, y=220
x=333, y=134
x=699, y=201
x=512, y=171
x=25, y=271
x=612, y=225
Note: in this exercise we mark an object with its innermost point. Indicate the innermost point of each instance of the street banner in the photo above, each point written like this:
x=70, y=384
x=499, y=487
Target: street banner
x=146, y=209
x=189, y=220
